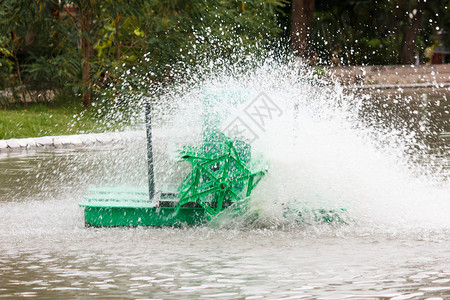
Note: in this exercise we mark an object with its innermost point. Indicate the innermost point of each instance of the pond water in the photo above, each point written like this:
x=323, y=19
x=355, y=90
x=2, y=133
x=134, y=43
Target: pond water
x=45, y=250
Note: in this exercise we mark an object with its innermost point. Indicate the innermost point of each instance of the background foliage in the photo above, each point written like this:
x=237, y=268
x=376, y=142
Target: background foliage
x=367, y=32
x=134, y=44
x=40, y=47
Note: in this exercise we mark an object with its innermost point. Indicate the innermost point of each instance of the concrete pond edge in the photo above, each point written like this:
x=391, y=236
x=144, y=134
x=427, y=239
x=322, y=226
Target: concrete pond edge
x=69, y=141
x=86, y=140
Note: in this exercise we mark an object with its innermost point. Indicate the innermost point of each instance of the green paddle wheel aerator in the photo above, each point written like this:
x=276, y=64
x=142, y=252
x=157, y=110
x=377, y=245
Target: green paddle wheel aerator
x=222, y=177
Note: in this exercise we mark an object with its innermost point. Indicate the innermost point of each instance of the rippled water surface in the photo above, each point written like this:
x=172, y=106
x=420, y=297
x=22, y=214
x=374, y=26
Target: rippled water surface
x=45, y=250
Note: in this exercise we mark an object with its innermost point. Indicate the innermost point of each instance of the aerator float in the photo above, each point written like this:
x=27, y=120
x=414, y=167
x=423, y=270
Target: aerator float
x=222, y=178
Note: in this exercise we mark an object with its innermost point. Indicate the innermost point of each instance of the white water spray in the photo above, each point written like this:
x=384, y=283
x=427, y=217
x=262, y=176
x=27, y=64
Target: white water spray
x=322, y=153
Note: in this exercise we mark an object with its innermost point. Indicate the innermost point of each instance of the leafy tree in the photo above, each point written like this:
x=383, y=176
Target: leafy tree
x=380, y=32
x=85, y=45
x=34, y=47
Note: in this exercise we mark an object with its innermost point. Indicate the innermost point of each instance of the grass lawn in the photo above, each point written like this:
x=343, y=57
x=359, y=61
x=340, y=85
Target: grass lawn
x=57, y=118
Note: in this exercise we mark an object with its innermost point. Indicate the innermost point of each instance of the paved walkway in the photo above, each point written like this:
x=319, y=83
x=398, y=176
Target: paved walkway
x=437, y=76
x=68, y=141
x=88, y=140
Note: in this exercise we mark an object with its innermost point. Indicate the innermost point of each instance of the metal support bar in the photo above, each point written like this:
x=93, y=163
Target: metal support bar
x=151, y=174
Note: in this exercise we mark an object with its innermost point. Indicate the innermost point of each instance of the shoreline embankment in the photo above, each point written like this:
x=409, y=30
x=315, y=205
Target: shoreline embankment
x=49, y=143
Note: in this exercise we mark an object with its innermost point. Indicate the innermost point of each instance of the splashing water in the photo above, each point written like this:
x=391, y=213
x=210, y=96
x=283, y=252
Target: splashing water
x=322, y=151
x=327, y=147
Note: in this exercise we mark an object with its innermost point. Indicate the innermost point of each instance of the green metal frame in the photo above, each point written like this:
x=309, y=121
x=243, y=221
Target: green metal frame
x=217, y=179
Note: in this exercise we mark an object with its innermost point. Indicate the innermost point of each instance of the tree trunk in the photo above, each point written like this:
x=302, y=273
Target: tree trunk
x=302, y=15
x=410, y=32
x=86, y=50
